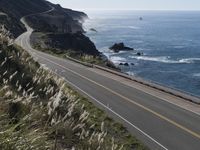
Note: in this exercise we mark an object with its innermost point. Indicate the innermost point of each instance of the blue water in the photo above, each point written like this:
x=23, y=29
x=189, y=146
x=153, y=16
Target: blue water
x=170, y=42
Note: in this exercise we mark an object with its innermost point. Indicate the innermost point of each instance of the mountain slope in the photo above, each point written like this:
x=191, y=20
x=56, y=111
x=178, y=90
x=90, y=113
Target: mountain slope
x=60, y=25
x=15, y=9
x=58, y=20
x=60, y=17
x=20, y=8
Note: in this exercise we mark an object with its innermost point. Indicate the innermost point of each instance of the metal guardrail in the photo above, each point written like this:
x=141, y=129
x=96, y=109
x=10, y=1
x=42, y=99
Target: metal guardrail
x=172, y=91
x=80, y=62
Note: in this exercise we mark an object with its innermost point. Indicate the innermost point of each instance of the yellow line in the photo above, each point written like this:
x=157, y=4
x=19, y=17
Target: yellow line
x=133, y=102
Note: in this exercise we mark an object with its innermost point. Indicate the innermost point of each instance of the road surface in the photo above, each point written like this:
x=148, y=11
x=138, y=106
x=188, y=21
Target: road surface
x=160, y=120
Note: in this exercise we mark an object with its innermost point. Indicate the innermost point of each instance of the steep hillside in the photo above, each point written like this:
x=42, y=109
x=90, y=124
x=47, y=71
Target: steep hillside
x=58, y=20
x=76, y=15
x=39, y=111
x=63, y=43
x=61, y=20
x=14, y=26
x=55, y=21
x=20, y=8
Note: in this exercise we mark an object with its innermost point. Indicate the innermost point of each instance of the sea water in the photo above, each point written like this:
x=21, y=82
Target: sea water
x=169, y=41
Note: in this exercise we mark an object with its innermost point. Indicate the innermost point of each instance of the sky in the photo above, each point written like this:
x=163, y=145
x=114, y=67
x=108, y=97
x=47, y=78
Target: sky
x=130, y=4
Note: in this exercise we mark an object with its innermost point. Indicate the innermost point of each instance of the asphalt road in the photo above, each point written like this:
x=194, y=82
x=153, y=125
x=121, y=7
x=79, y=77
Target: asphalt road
x=160, y=120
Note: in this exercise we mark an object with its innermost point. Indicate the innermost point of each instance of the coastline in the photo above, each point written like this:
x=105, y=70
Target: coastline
x=169, y=63
x=159, y=86
x=122, y=90
x=163, y=88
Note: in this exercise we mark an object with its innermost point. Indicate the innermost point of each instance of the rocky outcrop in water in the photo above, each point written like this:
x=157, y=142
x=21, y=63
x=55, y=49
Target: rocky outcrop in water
x=120, y=47
x=93, y=30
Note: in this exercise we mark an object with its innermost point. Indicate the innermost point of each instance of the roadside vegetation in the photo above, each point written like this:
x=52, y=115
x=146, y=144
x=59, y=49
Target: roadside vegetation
x=91, y=59
x=39, y=111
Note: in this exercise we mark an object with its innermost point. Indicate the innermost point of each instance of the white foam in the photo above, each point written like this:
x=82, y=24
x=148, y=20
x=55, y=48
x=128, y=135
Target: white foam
x=163, y=59
x=189, y=60
x=130, y=73
x=134, y=27
x=166, y=59
x=125, y=27
x=117, y=59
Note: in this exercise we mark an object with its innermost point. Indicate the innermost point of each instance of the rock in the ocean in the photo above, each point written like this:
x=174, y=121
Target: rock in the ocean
x=126, y=64
x=132, y=64
x=94, y=30
x=120, y=47
x=139, y=53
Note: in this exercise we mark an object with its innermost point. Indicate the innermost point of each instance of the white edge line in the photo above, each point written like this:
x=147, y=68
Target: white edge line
x=113, y=112
x=110, y=109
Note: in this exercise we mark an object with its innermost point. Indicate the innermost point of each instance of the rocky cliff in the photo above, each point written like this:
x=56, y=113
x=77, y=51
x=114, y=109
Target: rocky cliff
x=58, y=20
x=59, y=43
x=63, y=27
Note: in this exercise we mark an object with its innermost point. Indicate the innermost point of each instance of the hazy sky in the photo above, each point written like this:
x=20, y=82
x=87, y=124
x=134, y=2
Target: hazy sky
x=131, y=4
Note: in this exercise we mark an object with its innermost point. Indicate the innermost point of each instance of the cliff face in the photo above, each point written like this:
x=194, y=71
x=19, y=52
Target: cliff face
x=61, y=30
x=58, y=43
x=62, y=26
x=55, y=21
x=76, y=15
x=59, y=20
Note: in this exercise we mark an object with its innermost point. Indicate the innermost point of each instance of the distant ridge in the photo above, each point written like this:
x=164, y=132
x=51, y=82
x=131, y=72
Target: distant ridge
x=15, y=9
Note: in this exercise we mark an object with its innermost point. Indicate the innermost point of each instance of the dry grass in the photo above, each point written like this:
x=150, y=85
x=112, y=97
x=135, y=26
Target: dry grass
x=39, y=111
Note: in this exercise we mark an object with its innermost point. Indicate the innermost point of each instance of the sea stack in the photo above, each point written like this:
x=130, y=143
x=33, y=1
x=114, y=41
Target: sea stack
x=120, y=47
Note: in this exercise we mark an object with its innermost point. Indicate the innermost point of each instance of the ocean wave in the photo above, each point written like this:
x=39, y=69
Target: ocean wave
x=166, y=59
x=163, y=59
x=190, y=60
x=179, y=46
x=125, y=27
x=117, y=59
x=133, y=27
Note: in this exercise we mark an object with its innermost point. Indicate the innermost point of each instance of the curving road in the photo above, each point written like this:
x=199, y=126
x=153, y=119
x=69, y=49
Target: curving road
x=162, y=121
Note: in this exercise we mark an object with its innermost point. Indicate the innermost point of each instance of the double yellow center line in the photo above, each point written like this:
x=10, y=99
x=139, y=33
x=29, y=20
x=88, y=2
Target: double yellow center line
x=131, y=101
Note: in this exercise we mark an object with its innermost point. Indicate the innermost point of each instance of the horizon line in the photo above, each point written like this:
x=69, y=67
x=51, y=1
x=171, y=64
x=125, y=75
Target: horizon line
x=91, y=9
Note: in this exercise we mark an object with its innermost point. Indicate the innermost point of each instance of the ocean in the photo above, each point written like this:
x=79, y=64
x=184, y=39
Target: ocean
x=169, y=41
